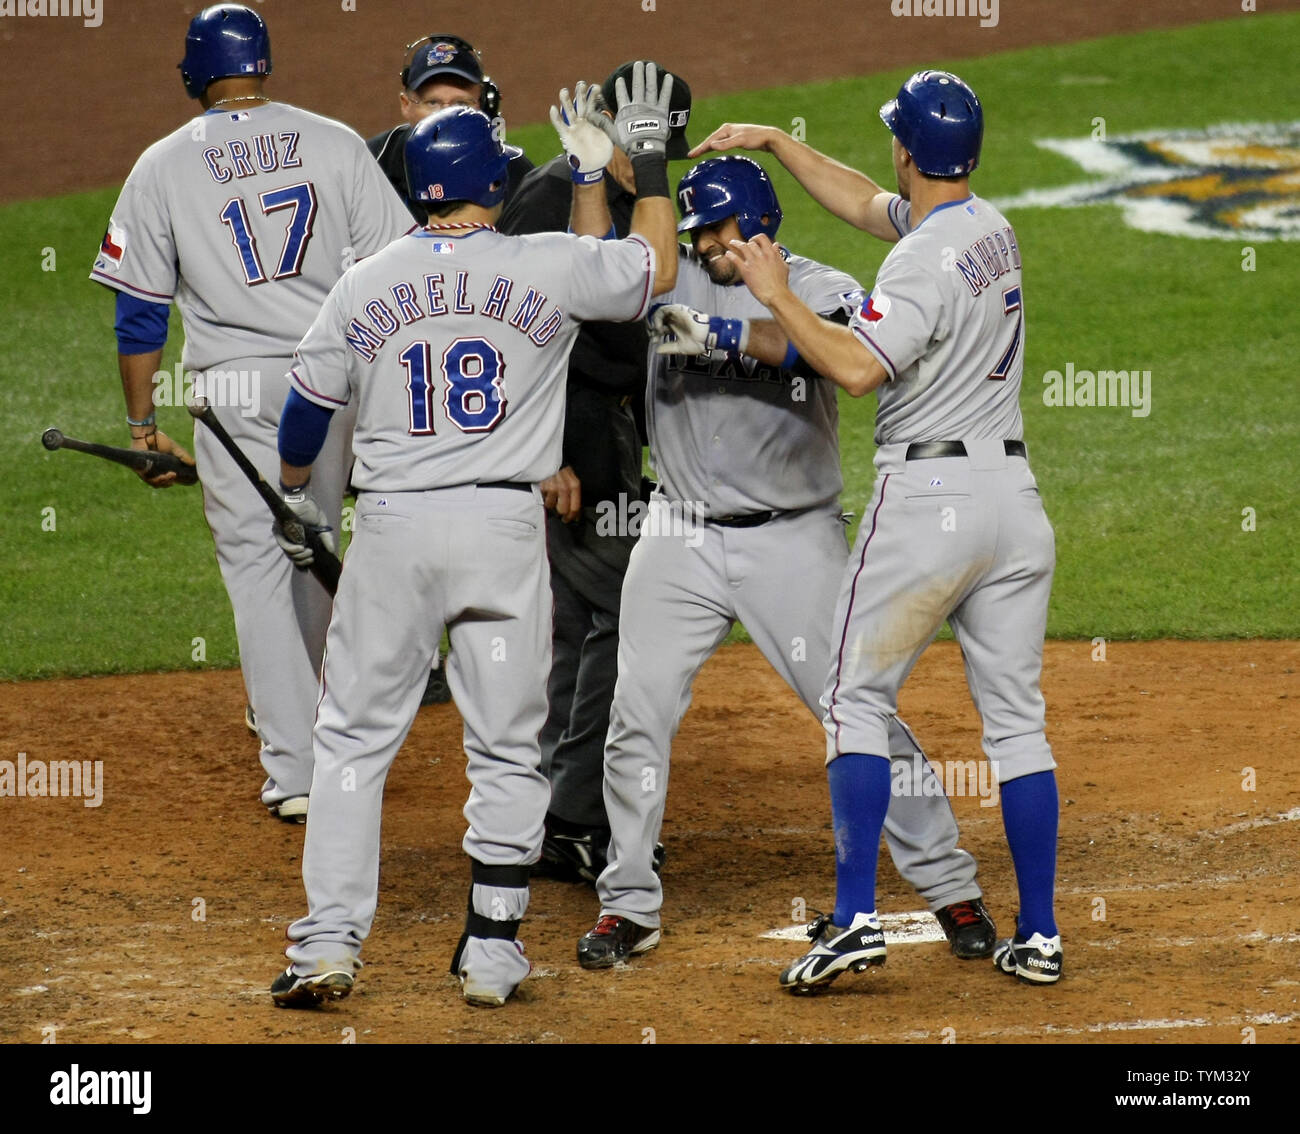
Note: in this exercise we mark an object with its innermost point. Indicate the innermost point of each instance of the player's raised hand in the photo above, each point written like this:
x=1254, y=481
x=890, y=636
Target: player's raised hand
x=761, y=266
x=739, y=136
x=678, y=329
x=582, y=133
x=158, y=441
x=641, y=124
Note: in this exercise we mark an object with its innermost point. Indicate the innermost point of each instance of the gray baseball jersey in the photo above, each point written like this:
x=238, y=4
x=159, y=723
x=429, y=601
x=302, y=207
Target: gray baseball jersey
x=245, y=219
x=735, y=434
x=946, y=320
x=454, y=346
x=225, y=209
x=961, y=538
x=743, y=438
x=445, y=339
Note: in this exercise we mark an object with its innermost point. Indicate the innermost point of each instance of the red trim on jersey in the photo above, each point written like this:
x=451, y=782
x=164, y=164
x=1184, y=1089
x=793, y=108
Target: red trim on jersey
x=468, y=225
x=875, y=349
x=648, y=294
x=294, y=376
x=123, y=285
x=848, y=614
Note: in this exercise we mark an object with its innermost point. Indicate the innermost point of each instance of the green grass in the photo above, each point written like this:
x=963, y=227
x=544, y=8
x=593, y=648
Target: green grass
x=1148, y=511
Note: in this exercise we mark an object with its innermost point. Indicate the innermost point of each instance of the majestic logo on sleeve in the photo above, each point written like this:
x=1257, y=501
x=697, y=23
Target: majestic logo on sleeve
x=1229, y=182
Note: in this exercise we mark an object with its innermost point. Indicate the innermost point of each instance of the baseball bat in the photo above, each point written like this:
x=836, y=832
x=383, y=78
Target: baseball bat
x=325, y=564
x=148, y=461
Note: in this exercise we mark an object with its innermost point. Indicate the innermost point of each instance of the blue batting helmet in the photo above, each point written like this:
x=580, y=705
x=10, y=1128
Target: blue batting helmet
x=731, y=186
x=939, y=121
x=455, y=155
x=224, y=40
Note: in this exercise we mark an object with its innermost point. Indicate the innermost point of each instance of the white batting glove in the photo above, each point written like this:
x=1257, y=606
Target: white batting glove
x=641, y=124
x=584, y=139
x=678, y=329
x=293, y=542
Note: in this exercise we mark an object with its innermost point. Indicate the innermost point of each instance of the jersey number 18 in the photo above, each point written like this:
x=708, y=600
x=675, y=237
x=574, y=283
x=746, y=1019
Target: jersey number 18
x=472, y=373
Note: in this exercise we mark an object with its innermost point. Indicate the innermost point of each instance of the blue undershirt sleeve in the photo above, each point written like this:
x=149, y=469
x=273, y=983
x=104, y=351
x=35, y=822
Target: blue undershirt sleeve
x=303, y=426
x=141, y=326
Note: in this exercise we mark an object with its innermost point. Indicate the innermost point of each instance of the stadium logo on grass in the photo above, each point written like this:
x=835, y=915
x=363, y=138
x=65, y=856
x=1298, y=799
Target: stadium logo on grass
x=1229, y=182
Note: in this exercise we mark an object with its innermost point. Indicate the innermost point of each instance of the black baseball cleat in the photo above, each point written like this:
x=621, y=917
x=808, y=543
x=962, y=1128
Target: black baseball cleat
x=571, y=853
x=835, y=951
x=969, y=929
x=614, y=939
x=289, y=990
x=436, y=689
x=1037, y=960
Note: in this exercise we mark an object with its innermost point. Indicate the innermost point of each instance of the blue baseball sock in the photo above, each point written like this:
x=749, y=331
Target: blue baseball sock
x=1030, y=810
x=859, y=799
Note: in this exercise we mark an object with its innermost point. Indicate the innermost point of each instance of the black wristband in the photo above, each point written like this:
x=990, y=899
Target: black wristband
x=651, y=171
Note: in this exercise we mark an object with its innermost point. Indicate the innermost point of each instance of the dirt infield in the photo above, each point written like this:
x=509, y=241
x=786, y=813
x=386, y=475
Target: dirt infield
x=109, y=914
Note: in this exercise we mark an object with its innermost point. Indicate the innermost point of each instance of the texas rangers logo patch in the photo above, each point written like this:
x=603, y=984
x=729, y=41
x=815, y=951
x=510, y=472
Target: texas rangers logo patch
x=875, y=308
x=112, y=248
x=1236, y=181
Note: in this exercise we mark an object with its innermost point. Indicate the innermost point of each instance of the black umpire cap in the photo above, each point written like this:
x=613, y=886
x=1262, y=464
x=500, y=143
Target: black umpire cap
x=679, y=106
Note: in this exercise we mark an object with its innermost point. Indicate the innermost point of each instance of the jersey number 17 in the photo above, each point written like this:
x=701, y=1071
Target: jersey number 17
x=300, y=200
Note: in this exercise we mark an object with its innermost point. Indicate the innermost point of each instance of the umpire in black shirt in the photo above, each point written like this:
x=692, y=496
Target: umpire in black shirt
x=439, y=71
x=603, y=435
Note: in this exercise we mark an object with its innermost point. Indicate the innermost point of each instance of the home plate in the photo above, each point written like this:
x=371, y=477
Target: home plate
x=900, y=929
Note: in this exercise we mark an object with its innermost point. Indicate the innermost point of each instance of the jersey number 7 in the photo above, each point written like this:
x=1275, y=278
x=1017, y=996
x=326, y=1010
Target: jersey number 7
x=1011, y=305
x=300, y=200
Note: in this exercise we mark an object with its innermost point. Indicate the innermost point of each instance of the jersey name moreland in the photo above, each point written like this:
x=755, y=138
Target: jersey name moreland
x=444, y=340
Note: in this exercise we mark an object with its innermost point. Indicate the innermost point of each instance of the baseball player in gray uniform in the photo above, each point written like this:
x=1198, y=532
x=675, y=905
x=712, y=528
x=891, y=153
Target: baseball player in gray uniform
x=955, y=530
x=453, y=344
x=745, y=526
x=245, y=217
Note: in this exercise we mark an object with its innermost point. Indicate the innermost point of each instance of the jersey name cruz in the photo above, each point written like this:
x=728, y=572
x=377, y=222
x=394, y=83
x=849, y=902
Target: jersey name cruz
x=989, y=258
x=381, y=318
x=247, y=157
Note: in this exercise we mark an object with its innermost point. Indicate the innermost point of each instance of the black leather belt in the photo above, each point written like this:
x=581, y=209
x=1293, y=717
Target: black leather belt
x=927, y=450
x=518, y=484
x=749, y=520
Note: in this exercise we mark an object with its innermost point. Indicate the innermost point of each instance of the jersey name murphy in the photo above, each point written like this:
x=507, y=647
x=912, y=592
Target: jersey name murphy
x=991, y=257
x=247, y=157
x=436, y=296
